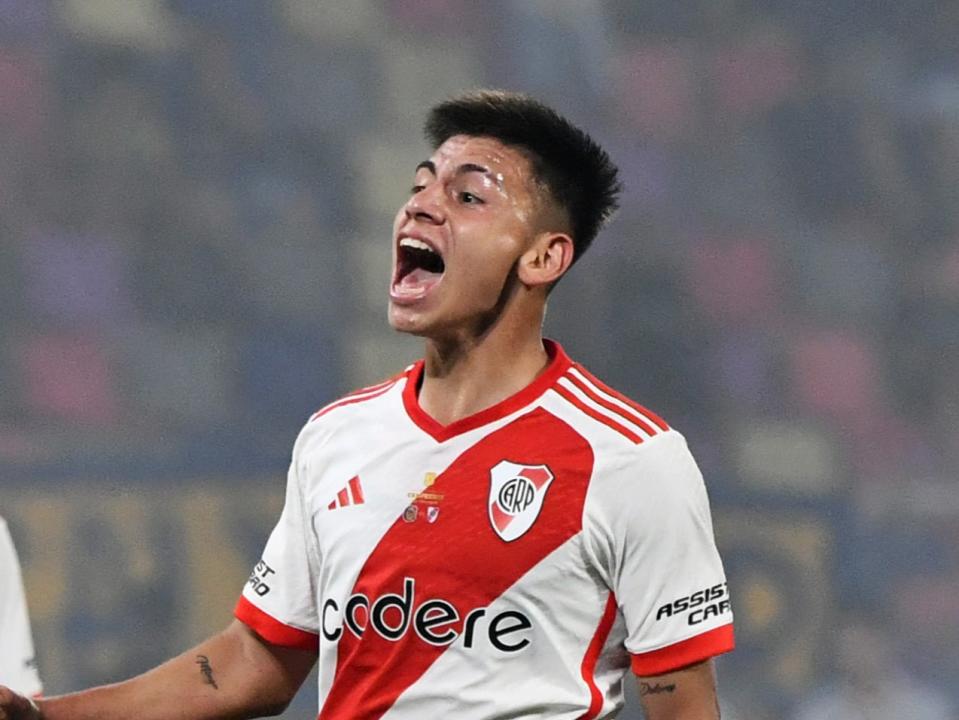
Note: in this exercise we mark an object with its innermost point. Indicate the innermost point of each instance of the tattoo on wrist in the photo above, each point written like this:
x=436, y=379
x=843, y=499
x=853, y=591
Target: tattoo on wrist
x=206, y=670
x=646, y=688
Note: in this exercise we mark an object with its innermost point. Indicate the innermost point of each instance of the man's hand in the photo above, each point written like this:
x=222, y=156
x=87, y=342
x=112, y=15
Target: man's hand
x=16, y=707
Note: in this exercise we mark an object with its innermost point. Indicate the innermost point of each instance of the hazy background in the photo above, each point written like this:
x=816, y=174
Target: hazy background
x=195, y=208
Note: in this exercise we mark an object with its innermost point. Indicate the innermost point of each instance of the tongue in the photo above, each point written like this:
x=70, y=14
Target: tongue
x=418, y=277
x=416, y=283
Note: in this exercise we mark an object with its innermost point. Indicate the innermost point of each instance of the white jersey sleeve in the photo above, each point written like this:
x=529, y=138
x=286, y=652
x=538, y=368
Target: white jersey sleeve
x=17, y=665
x=279, y=599
x=654, y=538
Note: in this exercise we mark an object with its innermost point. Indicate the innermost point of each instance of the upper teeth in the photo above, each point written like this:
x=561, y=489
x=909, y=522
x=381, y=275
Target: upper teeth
x=417, y=244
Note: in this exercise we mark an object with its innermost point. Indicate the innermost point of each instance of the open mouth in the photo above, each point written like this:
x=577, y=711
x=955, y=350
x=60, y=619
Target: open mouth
x=418, y=268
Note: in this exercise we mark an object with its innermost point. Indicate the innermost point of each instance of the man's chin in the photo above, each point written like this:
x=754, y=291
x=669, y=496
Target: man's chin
x=408, y=320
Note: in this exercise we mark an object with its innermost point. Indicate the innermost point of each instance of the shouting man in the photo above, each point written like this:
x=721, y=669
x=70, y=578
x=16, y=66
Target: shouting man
x=493, y=532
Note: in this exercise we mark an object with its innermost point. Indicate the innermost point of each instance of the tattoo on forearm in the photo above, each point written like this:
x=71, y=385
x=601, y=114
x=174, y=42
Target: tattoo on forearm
x=647, y=689
x=206, y=670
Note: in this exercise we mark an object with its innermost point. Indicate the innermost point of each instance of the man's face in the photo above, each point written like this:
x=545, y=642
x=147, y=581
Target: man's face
x=470, y=217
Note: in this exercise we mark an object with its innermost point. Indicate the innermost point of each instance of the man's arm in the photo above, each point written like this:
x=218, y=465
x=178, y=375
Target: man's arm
x=232, y=675
x=687, y=694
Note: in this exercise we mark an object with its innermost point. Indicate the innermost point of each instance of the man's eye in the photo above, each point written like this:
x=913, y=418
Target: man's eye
x=470, y=199
x=416, y=188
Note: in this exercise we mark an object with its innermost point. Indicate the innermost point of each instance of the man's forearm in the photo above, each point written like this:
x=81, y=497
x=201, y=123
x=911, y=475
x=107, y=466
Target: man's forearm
x=169, y=692
x=687, y=694
x=230, y=676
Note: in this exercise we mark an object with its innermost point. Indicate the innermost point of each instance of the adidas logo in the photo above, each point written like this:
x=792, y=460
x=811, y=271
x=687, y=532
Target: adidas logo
x=352, y=494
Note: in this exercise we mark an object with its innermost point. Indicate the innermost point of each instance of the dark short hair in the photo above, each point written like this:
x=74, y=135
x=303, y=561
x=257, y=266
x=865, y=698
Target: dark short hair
x=575, y=170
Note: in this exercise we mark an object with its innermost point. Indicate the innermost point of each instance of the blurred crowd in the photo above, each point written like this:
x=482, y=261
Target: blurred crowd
x=195, y=203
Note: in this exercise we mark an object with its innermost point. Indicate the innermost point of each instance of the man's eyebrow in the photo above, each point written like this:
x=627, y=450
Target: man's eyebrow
x=473, y=167
x=495, y=178
x=462, y=169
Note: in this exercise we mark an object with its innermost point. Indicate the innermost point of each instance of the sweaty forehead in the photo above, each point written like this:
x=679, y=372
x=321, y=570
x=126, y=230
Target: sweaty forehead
x=512, y=163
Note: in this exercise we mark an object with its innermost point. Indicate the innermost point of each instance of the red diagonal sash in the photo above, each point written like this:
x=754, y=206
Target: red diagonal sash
x=459, y=558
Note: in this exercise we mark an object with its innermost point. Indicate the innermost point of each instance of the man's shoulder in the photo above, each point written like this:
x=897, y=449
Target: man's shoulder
x=635, y=449
x=346, y=423
x=362, y=400
x=610, y=417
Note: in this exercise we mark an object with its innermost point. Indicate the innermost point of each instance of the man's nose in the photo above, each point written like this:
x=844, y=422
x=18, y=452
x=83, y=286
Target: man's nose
x=426, y=204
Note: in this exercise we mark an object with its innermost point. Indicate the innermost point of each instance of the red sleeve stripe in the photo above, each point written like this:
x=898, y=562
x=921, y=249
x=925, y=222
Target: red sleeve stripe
x=584, y=397
x=354, y=398
x=272, y=630
x=366, y=392
x=588, y=668
x=378, y=386
x=609, y=422
x=688, y=652
x=595, y=395
x=648, y=414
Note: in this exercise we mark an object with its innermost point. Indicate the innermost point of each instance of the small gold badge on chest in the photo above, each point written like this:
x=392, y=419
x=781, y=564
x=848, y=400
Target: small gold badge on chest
x=424, y=501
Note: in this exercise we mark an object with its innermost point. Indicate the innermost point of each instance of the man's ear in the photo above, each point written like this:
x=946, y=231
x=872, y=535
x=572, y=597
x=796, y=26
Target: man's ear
x=547, y=259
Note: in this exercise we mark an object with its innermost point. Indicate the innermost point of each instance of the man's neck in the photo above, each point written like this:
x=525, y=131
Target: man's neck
x=465, y=377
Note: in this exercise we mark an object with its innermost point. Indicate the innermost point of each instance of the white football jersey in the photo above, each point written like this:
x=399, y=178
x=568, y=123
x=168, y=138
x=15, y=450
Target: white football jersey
x=514, y=563
x=18, y=668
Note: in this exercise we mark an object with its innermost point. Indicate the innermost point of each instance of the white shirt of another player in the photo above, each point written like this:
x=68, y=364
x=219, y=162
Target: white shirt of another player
x=17, y=665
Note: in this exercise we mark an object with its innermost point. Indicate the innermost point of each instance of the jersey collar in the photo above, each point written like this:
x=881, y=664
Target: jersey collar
x=559, y=363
